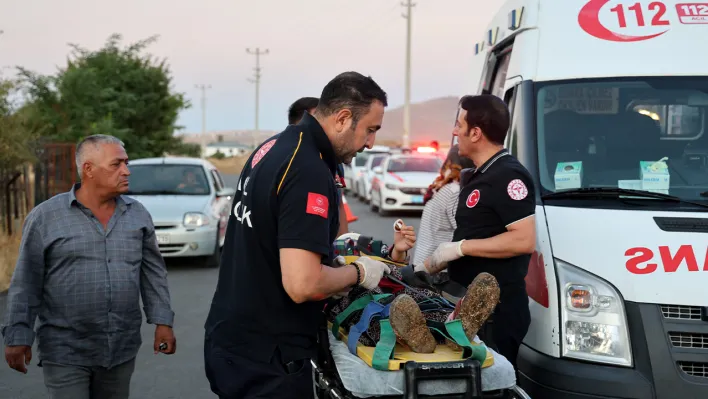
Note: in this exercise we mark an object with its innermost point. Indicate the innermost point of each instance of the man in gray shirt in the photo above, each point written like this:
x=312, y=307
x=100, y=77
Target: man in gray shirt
x=86, y=257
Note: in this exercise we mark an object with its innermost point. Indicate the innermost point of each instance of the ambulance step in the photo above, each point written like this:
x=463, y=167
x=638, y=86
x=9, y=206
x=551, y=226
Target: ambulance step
x=683, y=225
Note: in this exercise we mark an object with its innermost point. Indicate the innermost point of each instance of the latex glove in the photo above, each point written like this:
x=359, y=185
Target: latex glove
x=372, y=271
x=421, y=268
x=446, y=252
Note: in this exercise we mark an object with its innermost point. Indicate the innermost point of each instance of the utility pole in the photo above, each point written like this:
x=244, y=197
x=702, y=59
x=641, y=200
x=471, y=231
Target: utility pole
x=407, y=99
x=257, y=80
x=203, y=88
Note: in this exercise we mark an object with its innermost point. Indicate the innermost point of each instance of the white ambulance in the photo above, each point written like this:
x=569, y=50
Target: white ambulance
x=609, y=103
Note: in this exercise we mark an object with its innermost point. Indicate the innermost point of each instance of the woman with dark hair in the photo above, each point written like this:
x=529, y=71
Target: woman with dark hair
x=437, y=223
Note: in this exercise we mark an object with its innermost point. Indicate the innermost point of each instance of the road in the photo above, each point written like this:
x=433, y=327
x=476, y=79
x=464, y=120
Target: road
x=180, y=375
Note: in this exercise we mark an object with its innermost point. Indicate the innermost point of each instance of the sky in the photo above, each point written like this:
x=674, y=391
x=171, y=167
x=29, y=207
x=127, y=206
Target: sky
x=309, y=42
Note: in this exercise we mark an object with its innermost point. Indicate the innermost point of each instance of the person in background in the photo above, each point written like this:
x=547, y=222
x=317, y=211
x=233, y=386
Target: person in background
x=85, y=258
x=295, y=113
x=437, y=224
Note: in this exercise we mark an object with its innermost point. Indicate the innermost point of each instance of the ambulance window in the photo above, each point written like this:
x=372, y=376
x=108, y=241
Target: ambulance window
x=677, y=122
x=499, y=78
x=642, y=133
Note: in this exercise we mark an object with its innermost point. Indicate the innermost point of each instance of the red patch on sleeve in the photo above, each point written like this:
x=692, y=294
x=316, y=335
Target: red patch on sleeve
x=317, y=204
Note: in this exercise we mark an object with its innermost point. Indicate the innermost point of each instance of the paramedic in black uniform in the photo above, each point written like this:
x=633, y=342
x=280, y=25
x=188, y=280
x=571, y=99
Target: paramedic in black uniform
x=495, y=219
x=295, y=113
x=262, y=326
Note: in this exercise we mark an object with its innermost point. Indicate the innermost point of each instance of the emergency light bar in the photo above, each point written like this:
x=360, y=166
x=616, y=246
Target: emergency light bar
x=425, y=149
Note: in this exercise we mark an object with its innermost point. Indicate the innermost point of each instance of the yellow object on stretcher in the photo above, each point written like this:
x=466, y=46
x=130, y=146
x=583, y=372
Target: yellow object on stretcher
x=402, y=353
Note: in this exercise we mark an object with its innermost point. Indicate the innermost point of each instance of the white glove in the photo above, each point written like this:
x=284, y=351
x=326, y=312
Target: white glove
x=339, y=261
x=372, y=271
x=446, y=252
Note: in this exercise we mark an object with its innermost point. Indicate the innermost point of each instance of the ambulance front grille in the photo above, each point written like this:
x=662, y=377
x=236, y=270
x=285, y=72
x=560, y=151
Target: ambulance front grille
x=694, y=369
x=681, y=312
x=689, y=340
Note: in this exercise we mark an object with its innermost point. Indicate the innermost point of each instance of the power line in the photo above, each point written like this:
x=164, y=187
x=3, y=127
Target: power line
x=203, y=88
x=407, y=100
x=257, y=80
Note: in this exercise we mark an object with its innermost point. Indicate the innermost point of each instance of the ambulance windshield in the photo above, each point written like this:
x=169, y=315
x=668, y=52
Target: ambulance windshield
x=644, y=134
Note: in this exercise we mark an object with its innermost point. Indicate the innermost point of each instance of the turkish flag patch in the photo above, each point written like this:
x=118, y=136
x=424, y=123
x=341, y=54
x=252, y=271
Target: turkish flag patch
x=317, y=204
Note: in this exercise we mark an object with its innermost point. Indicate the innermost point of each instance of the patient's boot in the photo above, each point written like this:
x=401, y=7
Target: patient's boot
x=477, y=305
x=409, y=325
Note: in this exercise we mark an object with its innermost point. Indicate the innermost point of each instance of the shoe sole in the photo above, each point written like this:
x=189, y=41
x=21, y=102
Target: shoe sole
x=479, y=303
x=409, y=325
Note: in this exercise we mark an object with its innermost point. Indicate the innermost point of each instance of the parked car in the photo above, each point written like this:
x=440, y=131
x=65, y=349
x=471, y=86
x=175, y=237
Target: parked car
x=355, y=169
x=401, y=181
x=188, y=203
x=362, y=186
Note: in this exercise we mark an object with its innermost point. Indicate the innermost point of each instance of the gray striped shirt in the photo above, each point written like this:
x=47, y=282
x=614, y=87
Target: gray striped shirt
x=437, y=224
x=85, y=282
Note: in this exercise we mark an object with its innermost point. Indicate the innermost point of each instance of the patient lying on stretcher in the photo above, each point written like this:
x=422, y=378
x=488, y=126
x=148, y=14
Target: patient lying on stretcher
x=417, y=315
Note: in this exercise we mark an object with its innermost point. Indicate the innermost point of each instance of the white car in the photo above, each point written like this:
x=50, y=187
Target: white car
x=355, y=169
x=401, y=181
x=188, y=203
x=362, y=185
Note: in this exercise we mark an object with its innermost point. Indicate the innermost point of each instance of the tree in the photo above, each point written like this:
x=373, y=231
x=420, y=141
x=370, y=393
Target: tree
x=114, y=90
x=17, y=139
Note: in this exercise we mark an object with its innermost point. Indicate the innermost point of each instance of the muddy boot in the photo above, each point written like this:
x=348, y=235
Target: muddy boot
x=476, y=306
x=409, y=325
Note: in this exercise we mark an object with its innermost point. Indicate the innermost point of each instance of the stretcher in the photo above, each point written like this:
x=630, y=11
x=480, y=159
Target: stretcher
x=345, y=368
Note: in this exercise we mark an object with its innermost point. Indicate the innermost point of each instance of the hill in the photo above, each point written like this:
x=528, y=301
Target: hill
x=430, y=120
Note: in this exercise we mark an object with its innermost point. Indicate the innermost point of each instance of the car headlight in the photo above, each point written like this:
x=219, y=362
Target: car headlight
x=195, y=219
x=593, y=319
x=391, y=186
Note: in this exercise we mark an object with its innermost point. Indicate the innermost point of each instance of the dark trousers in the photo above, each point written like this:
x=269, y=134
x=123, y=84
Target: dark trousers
x=234, y=376
x=508, y=326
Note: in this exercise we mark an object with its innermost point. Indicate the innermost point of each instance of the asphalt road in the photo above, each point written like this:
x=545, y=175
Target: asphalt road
x=181, y=375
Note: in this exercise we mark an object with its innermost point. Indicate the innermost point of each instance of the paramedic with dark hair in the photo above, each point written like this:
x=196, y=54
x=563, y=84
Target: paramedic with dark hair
x=261, y=331
x=496, y=230
x=295, y=113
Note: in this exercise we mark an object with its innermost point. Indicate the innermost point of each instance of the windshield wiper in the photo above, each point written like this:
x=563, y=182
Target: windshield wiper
x=616, y=193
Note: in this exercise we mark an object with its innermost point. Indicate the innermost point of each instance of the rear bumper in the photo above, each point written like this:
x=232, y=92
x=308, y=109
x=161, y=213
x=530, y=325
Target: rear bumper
x=658, y=371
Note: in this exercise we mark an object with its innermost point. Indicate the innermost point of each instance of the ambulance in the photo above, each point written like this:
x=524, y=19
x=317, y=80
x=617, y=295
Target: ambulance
x=609, y=105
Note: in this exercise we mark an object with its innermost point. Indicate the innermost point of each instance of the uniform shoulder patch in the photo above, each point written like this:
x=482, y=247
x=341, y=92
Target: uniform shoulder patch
x=473, y=198
x=517, y=190
x=317, y=204
x=261, y=152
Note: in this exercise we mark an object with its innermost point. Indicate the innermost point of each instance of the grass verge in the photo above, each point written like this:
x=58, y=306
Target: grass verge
x=9, y=248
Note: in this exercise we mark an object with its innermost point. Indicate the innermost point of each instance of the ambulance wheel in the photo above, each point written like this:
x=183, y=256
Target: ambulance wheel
x=373, y=207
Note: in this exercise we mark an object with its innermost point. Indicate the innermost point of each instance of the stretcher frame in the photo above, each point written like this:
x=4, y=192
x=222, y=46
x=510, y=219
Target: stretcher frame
x=328, y=385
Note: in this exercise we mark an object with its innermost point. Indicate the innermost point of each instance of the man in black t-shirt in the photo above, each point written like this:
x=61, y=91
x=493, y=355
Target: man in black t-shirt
x=496, y=230
x=275, y=267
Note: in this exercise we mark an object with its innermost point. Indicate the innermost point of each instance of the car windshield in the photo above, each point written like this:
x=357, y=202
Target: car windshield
x=414, y=164
x=362, y=157
x=166, y=179
x=376, y=160
x=645, y=134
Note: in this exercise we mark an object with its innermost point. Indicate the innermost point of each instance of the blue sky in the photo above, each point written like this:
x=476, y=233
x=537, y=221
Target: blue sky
x=310, y=41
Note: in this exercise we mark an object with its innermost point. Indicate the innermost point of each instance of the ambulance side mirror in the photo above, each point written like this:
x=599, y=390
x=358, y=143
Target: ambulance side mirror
x=377, y=170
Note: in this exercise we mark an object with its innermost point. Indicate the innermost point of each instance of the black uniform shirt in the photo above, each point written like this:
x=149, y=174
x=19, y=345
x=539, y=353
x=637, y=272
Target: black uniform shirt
x=492, y=197
x=286, y=198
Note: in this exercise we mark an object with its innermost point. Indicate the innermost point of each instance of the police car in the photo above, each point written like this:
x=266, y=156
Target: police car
x=401, y=181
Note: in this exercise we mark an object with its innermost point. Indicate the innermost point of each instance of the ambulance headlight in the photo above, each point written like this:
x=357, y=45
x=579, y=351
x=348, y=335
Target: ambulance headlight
x=593, y=319
x=391, y=186
x=195, y=219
